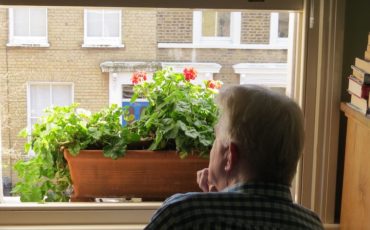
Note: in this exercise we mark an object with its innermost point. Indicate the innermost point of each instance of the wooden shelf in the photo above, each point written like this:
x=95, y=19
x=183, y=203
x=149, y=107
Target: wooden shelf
x=355, y=210
x=350, y=112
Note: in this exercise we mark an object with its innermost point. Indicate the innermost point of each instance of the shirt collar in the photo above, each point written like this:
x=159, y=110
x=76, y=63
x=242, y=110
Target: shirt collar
x=271, y=190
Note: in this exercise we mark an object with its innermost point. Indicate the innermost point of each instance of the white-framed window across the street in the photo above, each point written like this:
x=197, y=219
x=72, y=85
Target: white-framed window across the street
x=216, y=27
x=102, y=28
x=28, y=26
x=41, y=95
x=280, y=27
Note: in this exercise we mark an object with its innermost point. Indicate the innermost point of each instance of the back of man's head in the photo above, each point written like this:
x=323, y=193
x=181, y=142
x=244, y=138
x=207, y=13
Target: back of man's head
x=267, y=128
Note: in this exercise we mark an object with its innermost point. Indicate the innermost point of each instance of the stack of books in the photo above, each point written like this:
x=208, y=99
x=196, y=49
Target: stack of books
x=359, y=83
x=367, y=51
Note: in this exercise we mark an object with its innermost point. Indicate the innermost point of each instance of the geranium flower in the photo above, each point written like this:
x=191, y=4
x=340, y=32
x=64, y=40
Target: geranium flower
x=212, y=84
x=138, y=77
x=190, y=73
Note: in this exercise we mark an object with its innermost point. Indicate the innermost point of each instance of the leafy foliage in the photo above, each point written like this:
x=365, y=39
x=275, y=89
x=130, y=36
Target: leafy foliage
x=45, y=177
x=180, y=115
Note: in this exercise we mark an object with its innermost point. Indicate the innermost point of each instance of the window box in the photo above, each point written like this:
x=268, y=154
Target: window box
x=141, y=173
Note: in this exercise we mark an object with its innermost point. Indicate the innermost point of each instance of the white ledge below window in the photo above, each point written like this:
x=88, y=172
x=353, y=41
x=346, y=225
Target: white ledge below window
x=36, y=45
x=103, y=46
x=267, y=74
x=29, y=213
x=223, y=46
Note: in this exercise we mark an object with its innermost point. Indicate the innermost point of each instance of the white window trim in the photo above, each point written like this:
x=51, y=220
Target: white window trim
x=222, y=46
x=33, y=41
x=274, y=30
x=29, y=124
x=103, y=42
x=266, y=74
x=235, y=31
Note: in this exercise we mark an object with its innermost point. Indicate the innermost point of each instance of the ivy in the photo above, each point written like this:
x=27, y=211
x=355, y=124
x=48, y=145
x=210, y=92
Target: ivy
x=45, y=177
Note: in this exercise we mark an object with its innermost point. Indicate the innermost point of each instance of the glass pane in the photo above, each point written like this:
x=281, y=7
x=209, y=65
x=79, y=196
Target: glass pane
x=62, y=95
x=94, y=23
x=111, y=24
x=21, y=21
x=283, y=25
x=102, y=75
x=39, y=98
x=223, y=24
x=38, y=22
x=209, y=23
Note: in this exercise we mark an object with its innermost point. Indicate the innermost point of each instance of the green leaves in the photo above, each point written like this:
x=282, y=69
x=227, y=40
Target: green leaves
x=45, y=177
x=179, y=113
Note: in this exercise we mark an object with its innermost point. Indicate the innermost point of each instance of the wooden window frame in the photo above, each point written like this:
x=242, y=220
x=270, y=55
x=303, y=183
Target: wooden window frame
x=318, y=55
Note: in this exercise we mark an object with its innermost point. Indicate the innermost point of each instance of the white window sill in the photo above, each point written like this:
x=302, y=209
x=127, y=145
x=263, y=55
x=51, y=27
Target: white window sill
x=223, y=46
x=78, y=213
x=36, y=45
x=103, y=46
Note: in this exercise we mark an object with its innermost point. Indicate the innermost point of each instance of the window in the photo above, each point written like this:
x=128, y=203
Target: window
x=28, y=26
x=102, y=28
x=279, y=28
x=217, y=27
x=75, y=215
x=43, y=95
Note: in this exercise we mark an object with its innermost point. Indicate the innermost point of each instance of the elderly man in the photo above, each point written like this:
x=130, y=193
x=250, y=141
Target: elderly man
x=259, y=139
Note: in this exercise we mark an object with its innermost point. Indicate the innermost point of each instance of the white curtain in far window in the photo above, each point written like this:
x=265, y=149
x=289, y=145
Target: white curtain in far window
x=38, y=22
x=39, y=99
x=30, y=22
x=94, y=23
x=44, y=95
x=61, y=95
x=21, y=21
x=111, y=24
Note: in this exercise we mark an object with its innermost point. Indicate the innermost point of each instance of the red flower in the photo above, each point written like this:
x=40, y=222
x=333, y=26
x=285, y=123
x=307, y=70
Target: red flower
x=214, y=84
x=138, y=77
x=190, y=73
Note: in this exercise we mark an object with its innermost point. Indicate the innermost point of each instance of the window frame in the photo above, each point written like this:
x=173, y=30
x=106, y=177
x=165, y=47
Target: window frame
x=235, y=30
x=274, y=30
x=50, y=84
x=104, y=41
x=40, y=41
x=319, y=21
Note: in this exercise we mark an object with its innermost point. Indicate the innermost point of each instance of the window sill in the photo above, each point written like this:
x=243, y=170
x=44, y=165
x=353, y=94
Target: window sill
x=102, y=46
x=223, y=46
x=30, y=45
x=31, y=214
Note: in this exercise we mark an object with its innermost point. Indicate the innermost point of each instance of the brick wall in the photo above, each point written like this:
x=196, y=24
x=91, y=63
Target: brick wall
x=175, y=25
x=255, y=27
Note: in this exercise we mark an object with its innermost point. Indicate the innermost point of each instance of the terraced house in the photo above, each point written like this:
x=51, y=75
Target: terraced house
x=57, y=56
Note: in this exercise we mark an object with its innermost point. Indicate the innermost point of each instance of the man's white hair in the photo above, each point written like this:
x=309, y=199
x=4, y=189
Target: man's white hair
x=267, y=128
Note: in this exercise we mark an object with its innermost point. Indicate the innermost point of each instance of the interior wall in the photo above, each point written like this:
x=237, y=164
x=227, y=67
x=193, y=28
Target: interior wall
x=357, y=28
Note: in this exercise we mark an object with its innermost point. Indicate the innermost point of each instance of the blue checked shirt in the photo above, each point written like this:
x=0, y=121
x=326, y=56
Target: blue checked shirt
x=257, y=206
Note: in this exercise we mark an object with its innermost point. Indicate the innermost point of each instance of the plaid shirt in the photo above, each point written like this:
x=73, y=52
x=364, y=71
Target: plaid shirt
x=244, y=206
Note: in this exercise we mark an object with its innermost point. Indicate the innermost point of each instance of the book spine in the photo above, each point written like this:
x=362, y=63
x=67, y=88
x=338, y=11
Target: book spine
x=365, y=75
x=367, y=54
x=365, y=91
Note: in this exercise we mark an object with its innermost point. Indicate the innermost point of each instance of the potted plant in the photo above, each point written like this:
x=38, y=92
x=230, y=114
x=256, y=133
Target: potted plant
x=180, y=117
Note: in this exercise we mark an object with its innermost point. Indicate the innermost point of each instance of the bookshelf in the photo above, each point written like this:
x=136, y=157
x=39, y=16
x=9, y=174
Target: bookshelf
x=355, y=210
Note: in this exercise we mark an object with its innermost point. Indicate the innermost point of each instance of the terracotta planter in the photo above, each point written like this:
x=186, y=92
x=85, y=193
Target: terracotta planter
x=150, y=175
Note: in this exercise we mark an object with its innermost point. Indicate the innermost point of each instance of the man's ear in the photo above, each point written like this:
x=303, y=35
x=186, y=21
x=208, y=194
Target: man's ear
x=232, y=157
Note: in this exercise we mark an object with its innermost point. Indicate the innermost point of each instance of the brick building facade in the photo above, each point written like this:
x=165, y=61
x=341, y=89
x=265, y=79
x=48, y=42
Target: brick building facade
x=148, y=35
